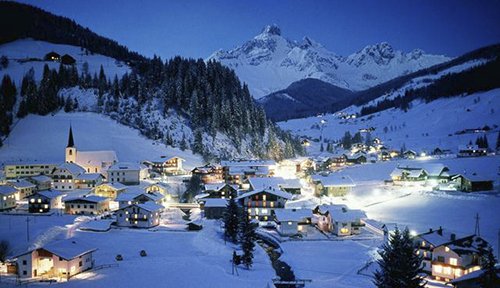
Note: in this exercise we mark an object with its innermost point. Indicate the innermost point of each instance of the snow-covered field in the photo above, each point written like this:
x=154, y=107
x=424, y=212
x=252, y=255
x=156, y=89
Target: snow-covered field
x=423, y=127
x=29, y=48
x=44, y=138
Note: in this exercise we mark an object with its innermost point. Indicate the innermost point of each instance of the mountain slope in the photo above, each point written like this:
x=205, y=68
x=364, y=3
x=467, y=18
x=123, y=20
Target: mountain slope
x=269, y=62
x=304, y=98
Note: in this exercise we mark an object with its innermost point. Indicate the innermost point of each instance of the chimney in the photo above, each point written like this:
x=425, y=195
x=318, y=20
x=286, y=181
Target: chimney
x=430, y=230
x=440, y=231
x=453, y=237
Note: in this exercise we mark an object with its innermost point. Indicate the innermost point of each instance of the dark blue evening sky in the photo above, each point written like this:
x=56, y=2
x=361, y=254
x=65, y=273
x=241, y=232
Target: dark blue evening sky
x=197, y=28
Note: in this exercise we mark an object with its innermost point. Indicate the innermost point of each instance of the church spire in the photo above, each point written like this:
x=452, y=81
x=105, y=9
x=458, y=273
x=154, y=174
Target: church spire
x=71, y=143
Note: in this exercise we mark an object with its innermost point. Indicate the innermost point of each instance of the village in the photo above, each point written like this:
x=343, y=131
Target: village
x=294, y=200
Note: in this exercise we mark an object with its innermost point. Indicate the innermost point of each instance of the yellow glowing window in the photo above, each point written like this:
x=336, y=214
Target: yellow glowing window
x=438, y=268
x=126, y=212
x=423, y=243
x=289, y=222
x=144, y=217
x=249, y=210
x=447, y=270
x=458, y=272
x=344, y=230
x=39, y=200
x=135, y=216
x=446, y=249
x=264, y=197
x=263, y=211
x=32, y=200
x=126, y=219
x=453, y=261
x=265, y=218
x=272, y=204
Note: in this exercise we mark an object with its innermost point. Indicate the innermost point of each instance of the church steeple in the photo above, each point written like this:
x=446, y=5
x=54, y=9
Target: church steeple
x=71, y=143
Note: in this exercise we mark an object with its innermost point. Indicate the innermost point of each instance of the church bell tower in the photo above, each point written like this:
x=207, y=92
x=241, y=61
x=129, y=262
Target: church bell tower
x=70, y=149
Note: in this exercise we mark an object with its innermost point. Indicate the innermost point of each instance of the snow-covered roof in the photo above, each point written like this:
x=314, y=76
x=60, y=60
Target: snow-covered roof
x=20, y=184
x=469, y=147
x=251, y=163
x=347, y=216
x=150, y=206
x=115, y=185
x=73, y=168
x=434, y=169
x=218, y=186
x=89, y=176
x=95, y=158
x=201, y=196
x=127, y=196
x=257, y=170
x=276, y=192
x=41, y=178
x=474, y=275
x=7, y=190
x=87, y=198
x=472, y=177
x=163, y=159
x=215, y=202
x=49, y=194
x=297, y=215
x=334, y=180
x=125, y=166
x=274, y=182
x=69, y=248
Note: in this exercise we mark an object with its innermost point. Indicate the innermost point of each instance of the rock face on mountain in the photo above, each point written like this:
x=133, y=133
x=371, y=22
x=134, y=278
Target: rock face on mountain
x=270, y=62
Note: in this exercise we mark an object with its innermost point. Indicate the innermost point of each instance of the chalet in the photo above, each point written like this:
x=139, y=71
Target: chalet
x=139, y=197
x=52, y=56
x=45, y=201
x=471, y=151
x=471, y=182
x=439, y=151
x=214, y=208
x=221, y=190
x=164, y=165
x=305, y=143
x=261, y=203
x=437, y=173
x=457, y=257
x=410, y=154
x=61, y=259
x=91, y=161
x=144, y=215
x=292, y=221
x=88, y=180
x=67, y=60
x=426, y=242
x=408, y=175
x=7, y=197
x=338, y=160
x=338, y=219
x=209, y=173
x=42, y=182
x=127, y=173
x=19, y=170
x=237, y=171
x=384, y=156
x=164, y=189
x=290, y=168
x=109, y=190
x=333, y=185
x=63, y=176
x=24, y=187
x=86, y=205
x=356, y=158
x=292, y=186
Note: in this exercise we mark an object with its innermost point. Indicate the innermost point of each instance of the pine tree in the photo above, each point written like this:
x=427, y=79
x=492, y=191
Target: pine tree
x=231, y=221
x=489, y=278
x=247, y=237
x=347, y=140
x=498, y=142
x=183, y=144
x=68, y=106
x=399, y=265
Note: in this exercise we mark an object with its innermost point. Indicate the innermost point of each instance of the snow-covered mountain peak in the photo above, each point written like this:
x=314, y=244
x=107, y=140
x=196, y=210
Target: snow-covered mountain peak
x=270, y=62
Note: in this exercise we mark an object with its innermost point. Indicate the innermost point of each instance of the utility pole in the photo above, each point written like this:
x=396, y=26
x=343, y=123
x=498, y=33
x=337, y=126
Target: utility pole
x=476, y=229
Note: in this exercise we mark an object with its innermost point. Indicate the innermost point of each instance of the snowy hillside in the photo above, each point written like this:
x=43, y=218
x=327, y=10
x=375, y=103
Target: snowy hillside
x=424, y=127
x=91, y=131
x=27, y=53
x=270, y=62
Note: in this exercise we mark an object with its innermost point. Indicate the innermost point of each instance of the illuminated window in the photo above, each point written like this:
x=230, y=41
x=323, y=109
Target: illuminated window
x=264, y=197
x=447, y=270
x=135, y=216
x=446, y=249
x=263, y=211
x=344, y=230
x=265, y=218
x=39, y=200
x=32, y=200
x=423, y=243
x=249, y=210
x=126, y=219
x=126, y=212
x=46, y=206
x=438, y=268
x=458, y=273
x=272, y=204
x=144, y=217
x=453, y=261
x=289, y=222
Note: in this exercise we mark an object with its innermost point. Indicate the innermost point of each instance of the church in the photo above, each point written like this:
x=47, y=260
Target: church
x=91, y=161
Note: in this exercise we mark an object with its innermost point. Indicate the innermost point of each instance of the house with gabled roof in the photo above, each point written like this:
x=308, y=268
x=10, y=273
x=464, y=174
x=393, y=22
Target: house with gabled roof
x=214, y=208
x=88, y=180
x=220, y=190
x=260, y=203
x=62, y=259
x=165, y=165
x=210, y=173
x=86, y=205
x=333, y=184
x=8, y=196
x=292, y=186
x=292, y=221
x=42, y=182
x=145, y=215
x=109, y=189
x=139, y=197
x=339, y=219
x=237, y=171
x=44, y=201
x=64, y=176
x=23, y=186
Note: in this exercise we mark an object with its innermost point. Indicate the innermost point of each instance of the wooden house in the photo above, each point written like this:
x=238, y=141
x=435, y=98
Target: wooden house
x=165, y=166
x=8, y=196
x=139, y=197
x=220, y=190
x=471, y=182
x=68, y=60
x=338, y=219
x=52, y=56
x=332, y=185
x=42, y=182
x=471, y=151
x=292, y=221
x=64, y=176
x=237, y=171
x=214, y=208
x=409, y=154
x=88, y=180
x=109, y=190
x=24, y=187
x=210, y=173
x=261, y=203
